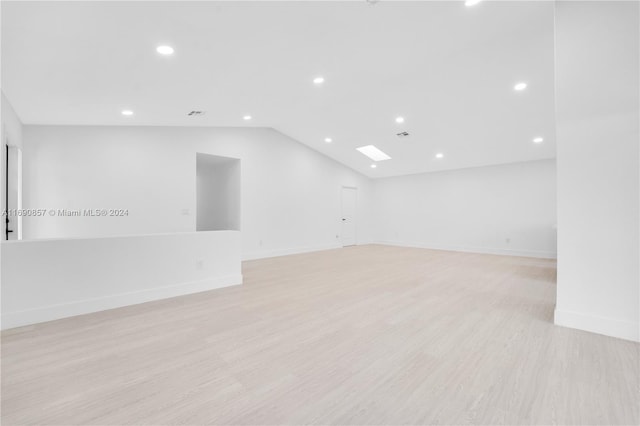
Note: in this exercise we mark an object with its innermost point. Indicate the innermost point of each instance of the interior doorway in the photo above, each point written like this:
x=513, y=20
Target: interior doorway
x=217, y=193
x=349, y=217
x=12, y=192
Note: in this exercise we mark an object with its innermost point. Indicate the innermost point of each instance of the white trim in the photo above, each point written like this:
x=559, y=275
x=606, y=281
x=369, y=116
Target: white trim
x=109, y=237
x=481, y=250
x=627, y=330
x=80, y=307
x=287, y=252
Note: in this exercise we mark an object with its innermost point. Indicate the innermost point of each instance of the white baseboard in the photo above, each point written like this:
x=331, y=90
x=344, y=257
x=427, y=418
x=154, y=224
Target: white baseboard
x=481, y=250
x=627, y=330
x=289, y=251
x=80, y=307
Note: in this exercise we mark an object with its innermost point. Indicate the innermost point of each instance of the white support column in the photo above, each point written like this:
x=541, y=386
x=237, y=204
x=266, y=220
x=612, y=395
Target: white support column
x=598, y=139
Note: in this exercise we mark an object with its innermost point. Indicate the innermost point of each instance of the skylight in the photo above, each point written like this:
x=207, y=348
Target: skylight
x=374, y=153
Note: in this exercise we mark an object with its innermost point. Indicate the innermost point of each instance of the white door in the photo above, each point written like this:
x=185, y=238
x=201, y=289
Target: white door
x=349, y=196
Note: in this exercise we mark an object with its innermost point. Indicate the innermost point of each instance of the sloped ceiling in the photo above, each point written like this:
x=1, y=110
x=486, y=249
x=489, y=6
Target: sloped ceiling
x=448, y=69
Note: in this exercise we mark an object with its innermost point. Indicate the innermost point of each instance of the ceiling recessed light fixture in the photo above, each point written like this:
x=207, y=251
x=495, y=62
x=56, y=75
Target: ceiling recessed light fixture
x=538, y=140
x=439, y=155
x=399, y=119
x=328, y=140
x=373, y=166
x=318, y=80
x=165, y=50
x=471, y=2
x=520, y=86
x=247, y=118
x=127, y=112
x=374, y=153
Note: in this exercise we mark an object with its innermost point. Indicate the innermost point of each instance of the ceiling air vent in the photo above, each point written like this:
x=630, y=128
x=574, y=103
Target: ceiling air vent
x=195, y=113
x=402, y=134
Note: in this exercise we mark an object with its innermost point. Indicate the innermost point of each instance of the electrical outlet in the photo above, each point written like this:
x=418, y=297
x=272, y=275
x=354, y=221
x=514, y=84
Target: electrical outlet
x=260, y=243
x=185, y=212
x=199, y=264
x=508, y=240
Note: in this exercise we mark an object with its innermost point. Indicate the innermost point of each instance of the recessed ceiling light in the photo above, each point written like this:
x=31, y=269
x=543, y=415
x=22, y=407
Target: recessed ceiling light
x=538, y=140
x=374, y=153
x=471, y=2
x=164, y=50
x=127, y=112
x=399, y=119
x=328, y=140
x=439, y=155
x=247, y=117
x=318, y=80
x=520, y=86
x=373, y=166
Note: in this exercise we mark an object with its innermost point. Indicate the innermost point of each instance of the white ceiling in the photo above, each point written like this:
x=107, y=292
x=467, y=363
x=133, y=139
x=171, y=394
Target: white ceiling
x=448, y=69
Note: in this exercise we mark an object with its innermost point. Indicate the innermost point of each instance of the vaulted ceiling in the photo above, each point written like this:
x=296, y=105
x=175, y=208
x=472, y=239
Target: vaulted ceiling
x=449, y=70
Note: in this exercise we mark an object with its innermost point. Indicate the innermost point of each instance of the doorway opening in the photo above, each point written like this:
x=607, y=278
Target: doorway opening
x=12, y=192
x=217, y=193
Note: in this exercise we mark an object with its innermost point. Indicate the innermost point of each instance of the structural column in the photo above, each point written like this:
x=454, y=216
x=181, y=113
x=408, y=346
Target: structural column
x=598, y=139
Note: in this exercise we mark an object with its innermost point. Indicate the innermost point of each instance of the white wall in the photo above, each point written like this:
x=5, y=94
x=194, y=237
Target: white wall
x=506, y=209
x=290, y=193
x=598, y=138
x=51, y=279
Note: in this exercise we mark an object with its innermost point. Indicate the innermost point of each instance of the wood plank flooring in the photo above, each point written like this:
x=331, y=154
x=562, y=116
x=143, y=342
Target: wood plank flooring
x=373, y=334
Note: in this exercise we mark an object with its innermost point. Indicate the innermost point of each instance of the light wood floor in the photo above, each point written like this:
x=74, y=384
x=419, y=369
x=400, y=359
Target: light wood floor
x=362, y=335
